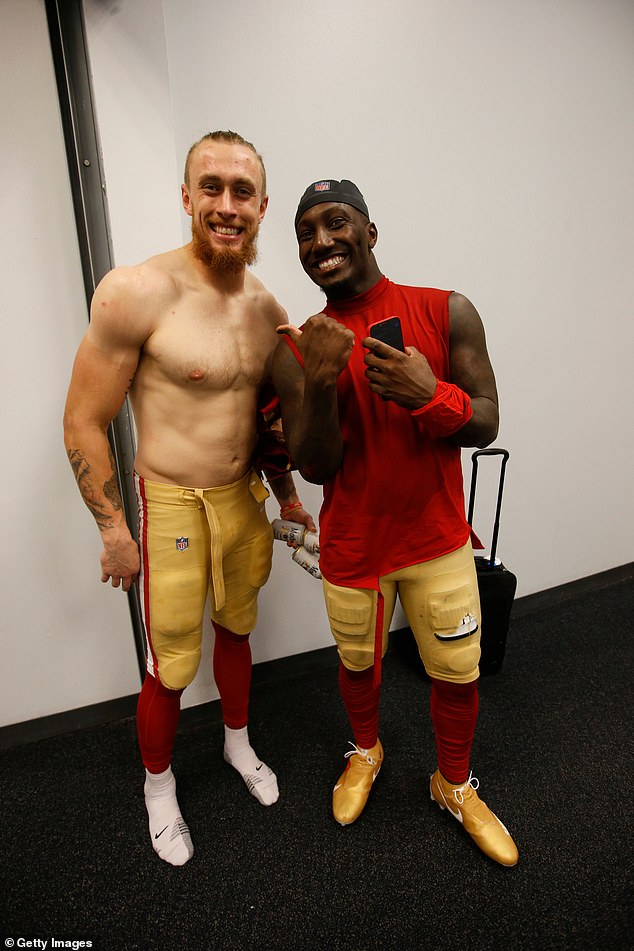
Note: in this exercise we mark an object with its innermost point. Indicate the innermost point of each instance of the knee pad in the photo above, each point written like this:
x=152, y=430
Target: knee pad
x=177, y=671
x=352, y=616
x=240, y=614
x=456, y=661
x=355, y=658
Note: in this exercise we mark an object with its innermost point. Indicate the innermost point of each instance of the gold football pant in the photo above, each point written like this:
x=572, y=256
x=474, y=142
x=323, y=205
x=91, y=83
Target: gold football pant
x=194, y=542
x=442, y=605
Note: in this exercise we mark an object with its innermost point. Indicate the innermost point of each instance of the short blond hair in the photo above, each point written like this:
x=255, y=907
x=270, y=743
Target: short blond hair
x=232, y=138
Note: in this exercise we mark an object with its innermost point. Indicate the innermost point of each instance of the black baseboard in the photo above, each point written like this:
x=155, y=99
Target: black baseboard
x=41, y=728
x=277, y=671
x=267, y=673
x=551, y=597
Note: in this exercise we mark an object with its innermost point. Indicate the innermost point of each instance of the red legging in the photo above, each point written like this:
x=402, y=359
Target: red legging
x=361, y=700
x=158, y=709
x=157, y=716
x=232, y=673
x=454, y=711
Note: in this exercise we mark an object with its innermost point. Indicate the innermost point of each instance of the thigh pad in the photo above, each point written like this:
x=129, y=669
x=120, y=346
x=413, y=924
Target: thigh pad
x=352, y=617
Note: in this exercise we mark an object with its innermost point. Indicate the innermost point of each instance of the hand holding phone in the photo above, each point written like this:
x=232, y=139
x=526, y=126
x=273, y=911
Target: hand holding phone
x=388, y=331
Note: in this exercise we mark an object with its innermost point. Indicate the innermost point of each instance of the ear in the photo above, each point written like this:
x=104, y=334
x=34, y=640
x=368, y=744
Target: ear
x=263, y=206
x=187, y=202
x=373, y=235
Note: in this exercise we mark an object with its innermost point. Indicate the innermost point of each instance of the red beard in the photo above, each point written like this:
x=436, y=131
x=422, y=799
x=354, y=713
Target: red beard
x=224, y=260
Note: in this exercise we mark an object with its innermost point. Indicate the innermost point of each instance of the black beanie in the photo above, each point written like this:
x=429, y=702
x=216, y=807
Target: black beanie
x=331, y=190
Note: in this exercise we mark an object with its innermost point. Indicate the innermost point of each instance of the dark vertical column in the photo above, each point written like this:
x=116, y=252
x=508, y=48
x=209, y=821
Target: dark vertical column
x=83, y=153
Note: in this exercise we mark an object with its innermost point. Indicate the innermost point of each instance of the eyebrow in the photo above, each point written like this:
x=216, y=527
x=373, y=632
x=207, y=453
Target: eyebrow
x=340, y=210
x=207, y=178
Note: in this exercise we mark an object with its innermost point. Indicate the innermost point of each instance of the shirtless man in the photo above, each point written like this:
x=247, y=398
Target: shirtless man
x=189, y=334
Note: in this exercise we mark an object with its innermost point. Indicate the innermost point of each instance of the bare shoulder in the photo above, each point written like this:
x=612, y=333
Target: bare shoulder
x=147, y=284
x=266, y=303
x=461, y=308
x=464, y=320
x=129, y=300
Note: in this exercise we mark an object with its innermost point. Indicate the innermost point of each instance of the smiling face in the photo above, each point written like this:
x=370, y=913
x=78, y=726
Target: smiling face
x=335, y=249
x=224, y=198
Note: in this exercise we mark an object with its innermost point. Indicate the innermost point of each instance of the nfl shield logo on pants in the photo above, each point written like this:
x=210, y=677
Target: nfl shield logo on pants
x=182, y=543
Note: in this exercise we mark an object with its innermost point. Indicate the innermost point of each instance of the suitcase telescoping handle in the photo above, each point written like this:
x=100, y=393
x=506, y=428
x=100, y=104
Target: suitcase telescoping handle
x=474, y=475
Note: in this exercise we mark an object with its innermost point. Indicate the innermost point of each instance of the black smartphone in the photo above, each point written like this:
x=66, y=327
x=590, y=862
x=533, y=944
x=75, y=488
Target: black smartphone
x=388, y=331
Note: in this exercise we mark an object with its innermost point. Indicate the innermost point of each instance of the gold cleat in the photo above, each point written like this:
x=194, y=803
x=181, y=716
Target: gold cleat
x=353, y=786
x=484, y=827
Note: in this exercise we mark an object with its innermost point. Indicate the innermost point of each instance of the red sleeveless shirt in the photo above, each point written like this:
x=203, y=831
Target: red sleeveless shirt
x=398, y=497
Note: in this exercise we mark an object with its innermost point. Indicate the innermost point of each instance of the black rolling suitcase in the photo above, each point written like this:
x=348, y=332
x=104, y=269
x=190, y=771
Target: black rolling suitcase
x=496, y=583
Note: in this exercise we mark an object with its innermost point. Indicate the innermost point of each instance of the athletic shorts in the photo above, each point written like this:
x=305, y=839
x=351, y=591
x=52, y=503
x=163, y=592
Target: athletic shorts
x=442, y=605
x=195, y=542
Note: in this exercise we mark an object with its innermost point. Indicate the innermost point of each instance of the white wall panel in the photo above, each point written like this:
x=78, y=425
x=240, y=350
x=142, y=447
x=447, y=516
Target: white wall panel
x=67, y=640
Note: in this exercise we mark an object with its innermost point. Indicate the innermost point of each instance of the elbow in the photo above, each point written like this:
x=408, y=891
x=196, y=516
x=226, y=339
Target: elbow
x=487, y=437
x=68, y=429
x=72, y=428
x=486, y=425
x=310, y=474
x=478, y=433
x=317, y=476
x=319, y=472
x=79, y=428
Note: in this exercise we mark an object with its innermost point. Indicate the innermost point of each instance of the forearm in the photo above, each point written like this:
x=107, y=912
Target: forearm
x=283, y=488
x=93, y=465
x=315, y=442
x=452, y=413
x=482, y=428
x=92, y=461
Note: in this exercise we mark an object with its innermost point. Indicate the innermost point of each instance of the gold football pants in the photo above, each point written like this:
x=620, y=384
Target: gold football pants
x=194, y=542
x=437, y=596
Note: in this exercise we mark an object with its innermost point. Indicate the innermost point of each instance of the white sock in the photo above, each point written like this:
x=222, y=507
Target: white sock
x=168, y=830
x=261, y=781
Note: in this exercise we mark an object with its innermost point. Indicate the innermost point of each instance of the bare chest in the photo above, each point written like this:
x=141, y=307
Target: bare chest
x=210, y=347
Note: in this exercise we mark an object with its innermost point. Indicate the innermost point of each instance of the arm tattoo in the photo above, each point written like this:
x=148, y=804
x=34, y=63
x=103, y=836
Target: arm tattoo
x=82, y=471
x=111, y=487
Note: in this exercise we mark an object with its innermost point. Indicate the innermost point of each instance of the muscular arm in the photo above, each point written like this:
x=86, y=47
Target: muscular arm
x=408, y=380
x=471, y=370
x=103, y=370
x=308, y=395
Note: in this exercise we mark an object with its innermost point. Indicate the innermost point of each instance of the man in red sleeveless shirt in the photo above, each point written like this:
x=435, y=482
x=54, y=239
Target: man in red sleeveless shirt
x=381, y=429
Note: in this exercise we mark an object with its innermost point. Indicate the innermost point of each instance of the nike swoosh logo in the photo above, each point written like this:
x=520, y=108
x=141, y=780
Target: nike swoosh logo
x=159, y=834
x=258, y=768
x=338, y=786
x=457, y=815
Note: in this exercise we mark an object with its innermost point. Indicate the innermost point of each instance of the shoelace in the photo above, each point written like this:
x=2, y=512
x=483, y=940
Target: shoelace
x=364, y=753
x=473, y=781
